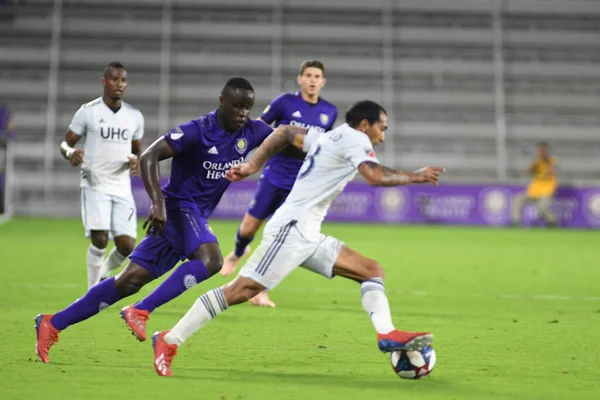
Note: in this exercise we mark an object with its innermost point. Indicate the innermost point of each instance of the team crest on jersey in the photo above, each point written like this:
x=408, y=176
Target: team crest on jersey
x=241, y=145
x=324, y=118
x=176, y=133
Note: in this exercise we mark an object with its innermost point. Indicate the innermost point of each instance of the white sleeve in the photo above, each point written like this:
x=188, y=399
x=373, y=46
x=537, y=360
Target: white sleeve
x=139, y=133
x=358, y=149
x=311, y=137
x=79, y=123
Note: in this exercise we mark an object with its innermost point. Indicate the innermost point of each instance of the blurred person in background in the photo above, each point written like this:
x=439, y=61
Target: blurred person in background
x=7, y=132
x=113, y=131
x=541, y=189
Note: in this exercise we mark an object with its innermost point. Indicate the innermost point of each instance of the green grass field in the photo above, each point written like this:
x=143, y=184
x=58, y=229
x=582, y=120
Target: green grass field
x=516, y=314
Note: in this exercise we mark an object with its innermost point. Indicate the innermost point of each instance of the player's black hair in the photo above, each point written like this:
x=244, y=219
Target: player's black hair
x=364, y=109
x=237, y=82
x=312, y=64
x=114, y=64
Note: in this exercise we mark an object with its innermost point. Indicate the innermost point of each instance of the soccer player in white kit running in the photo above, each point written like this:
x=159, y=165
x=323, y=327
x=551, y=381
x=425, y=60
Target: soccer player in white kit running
x=113, y=131
x=293, y=235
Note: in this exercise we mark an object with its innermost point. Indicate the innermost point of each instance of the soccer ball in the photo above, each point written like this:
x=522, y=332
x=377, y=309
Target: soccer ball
x=413, y=364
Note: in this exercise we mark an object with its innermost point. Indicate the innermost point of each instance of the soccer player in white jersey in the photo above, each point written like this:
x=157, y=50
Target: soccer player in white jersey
x=293, y=235
x=112, y=131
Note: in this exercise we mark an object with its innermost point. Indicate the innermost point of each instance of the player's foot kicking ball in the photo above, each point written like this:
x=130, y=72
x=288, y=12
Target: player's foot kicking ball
x=46, y=334
x=163, y=354
x=231, y=262
x=136, y=321
x=262, y=300
x=399, y=340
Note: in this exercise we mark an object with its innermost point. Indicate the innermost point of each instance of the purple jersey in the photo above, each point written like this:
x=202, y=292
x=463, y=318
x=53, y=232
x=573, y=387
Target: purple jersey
x=203, y=153
x=291, y=109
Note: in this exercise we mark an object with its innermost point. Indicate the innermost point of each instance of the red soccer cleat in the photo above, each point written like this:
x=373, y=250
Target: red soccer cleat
x=46, y=334
x=136, y=321
x=163, y=354
x=399, y=340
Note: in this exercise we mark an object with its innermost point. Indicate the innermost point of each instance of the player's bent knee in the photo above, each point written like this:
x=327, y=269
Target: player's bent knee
x=214, y=265
x=131, y=280
x=249, y=226
x=99, y=239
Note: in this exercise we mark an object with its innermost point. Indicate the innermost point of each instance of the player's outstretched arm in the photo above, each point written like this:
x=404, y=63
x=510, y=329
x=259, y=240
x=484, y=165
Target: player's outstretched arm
x=75, y=156
x=149, y=166
x=379, y=175
x=278, y=140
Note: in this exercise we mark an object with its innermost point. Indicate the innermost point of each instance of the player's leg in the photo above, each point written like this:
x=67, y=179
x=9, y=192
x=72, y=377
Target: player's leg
x=262, y=299
x=204, y=260
x=263, y=205
x=544, y=207
x=95, y=213
x=333, y=258
x=152, y=258
x=278, y=254
x=124, y=230
x=516, y=211
x=201, y=265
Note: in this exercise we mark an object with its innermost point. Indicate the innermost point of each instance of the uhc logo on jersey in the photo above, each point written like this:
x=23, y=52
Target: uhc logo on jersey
x=241, y=145
x=112, y=133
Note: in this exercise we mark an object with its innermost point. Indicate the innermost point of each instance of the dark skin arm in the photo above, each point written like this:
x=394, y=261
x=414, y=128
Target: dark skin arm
x=379, y=175
x=76, y=158
x=279, y=139
x=134, y=163
x=149, y=165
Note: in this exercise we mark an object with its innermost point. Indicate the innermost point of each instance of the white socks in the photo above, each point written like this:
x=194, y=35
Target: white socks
x=207, y=307
x=376, y=304
x=95, y=259
x=114, y=260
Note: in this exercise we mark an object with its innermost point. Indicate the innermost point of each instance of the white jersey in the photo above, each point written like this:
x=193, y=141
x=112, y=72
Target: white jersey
x=108, y=136
x=332, y=161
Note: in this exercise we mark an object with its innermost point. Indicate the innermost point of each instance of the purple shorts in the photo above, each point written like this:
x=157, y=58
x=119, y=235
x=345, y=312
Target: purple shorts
x=267, y=199
x=184, y=232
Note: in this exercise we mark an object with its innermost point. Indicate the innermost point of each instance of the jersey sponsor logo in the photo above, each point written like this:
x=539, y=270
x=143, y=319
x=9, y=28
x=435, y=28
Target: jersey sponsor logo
x=114, y=133
x=241, y=145
x=213, y=150
x=324, y=118
x=217, y=170
x=307, y=126
x=176, y=133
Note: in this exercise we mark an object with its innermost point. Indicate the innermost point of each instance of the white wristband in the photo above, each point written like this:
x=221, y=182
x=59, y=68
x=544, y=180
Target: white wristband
x=68, y=149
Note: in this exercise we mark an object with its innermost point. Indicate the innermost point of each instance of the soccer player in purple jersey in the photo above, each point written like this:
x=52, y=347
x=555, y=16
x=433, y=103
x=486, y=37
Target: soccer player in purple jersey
x=306, y=109
x=177, y=228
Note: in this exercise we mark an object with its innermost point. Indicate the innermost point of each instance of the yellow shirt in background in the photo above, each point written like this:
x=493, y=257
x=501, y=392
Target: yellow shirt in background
x=543, y=184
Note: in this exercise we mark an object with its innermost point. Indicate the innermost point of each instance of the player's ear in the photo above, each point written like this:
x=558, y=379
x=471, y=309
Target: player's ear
x=221, y=100
x=299, y=80
x=324, y=81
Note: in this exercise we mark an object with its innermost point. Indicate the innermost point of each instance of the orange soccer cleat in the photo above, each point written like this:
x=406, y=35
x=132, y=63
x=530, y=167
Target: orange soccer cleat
x=46, y=334
x=163, y=354
x=136, y=321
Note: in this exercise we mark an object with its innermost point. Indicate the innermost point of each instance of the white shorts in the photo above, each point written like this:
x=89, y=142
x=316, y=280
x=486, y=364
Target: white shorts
x=283, y=249
x=103, y=212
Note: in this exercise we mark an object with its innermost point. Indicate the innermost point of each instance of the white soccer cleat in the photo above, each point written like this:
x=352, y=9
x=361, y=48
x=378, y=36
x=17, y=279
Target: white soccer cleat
x=231, y=262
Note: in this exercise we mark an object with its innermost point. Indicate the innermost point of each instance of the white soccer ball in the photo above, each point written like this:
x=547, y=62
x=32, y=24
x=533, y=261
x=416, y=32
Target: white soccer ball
x=413, y=364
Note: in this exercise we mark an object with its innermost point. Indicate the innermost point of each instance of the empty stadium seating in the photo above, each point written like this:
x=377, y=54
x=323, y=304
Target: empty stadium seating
x=431, y=65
